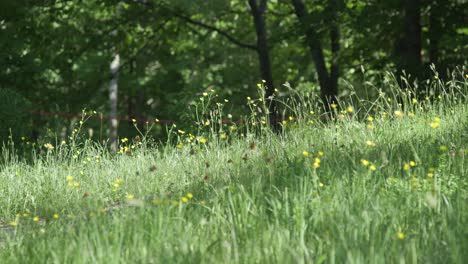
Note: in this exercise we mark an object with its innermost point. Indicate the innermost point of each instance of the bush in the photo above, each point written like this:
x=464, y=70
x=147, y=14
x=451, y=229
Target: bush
x=13, y=115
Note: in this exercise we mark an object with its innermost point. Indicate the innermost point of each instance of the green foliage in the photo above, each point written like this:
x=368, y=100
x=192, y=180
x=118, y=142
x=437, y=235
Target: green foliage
x=15, y=120
x=378, y=183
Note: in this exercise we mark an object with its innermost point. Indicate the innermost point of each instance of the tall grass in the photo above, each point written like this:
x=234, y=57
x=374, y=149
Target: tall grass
x=382, y=180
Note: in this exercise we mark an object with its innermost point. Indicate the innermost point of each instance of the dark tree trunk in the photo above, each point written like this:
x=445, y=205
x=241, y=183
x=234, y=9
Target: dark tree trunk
x=435, y=32
x=258, y=13
x=335, y=48
x=328, y=83
x=409, y=48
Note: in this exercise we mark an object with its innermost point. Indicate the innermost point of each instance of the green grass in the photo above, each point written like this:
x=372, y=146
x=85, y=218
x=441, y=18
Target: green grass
x=256, y=197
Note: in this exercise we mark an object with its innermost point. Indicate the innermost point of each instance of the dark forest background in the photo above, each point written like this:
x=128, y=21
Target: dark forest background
x=56, y=56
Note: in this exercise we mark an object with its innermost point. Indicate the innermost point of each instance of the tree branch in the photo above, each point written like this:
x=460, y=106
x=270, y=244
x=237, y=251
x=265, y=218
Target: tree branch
x=219, y=31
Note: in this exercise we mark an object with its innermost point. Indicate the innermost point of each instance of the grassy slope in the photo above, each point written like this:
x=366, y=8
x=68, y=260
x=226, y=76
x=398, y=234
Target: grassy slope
x=264, y=203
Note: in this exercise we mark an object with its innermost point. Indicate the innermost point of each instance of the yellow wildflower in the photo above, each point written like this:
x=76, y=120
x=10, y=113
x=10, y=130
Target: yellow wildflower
x=434, y=124
x=305, y=153
x=406, y=167
x=56, y=216
x=190, y=195
x=350, y=109
x=399, y=114
x=49, y=146
x=365, y=162
x=400, y=235
x=130, y=196
x=184, y=199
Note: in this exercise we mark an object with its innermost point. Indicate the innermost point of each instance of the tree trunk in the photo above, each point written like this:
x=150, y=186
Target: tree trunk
x=328, y=83
x=258, y=13
x=410, y=46
x=335, y=48
x=113, y=88
x=435, y=33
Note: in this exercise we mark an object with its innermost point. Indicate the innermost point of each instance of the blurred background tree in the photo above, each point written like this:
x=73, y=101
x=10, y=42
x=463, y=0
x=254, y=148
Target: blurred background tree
x=56, y=53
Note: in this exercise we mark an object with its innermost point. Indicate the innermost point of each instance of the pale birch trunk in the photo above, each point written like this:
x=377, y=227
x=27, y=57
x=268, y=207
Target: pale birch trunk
x=113, y=88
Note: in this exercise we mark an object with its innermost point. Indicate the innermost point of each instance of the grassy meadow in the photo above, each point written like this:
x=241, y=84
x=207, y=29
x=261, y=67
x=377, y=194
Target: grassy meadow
x=382, y=181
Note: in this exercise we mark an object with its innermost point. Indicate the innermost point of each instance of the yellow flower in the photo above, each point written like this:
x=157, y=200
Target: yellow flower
x=207, y=123
x=400, y=235
x=133, y=120
x=370, y=127
x=350, y=109
x=443, y=148
x=130, y=196
x=434, y=124
x=321, y=184
x=316, y=165
x=406, y=167
x=36, y=219
x=436, y=119
x=184, y=199
x=49, y=146
x=370, y=119
x=399, y=114
x=317, y=160
x=190, y=195
x=414, y=100
x=119, y=180
x=205, y=94
x=291, y=118
x=411, y=114
x=202, y=140
x=181, y=132
x=372, y=168
x=56, y=216
x=412, y=163
x=76, y=184
x=69, y=178
x=180, y=145
x=223, y=136
x=365, y=162
x=334, y=106
x=370, y=143
x=124, y=140
x=320, y=153
x=13, y=223
x=305, y=153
